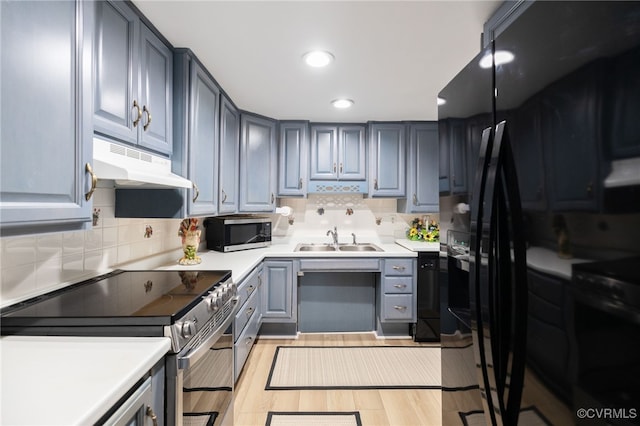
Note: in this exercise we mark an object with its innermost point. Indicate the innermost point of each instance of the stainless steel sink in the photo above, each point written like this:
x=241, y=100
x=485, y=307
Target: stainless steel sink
x=359, y=247
x=341, y=247
x=314, y=247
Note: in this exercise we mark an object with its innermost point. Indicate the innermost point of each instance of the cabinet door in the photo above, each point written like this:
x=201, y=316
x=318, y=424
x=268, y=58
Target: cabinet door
x=443, y=137
x=571, y=136
x=156, y=73
x=625, y=109
x=457, y=157
x=475, y=127
x=352, y=153
x=229, y=156
x=203, y=141
x=117, y=108
x=527, y=153
x=257, y=164
x=423, y=160
x=324, y=152
x=292, y=158
x=277, y=296
x=388, y=177
x=45, y=115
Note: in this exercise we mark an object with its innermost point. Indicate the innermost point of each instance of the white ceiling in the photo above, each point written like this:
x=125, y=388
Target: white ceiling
x=391, y=57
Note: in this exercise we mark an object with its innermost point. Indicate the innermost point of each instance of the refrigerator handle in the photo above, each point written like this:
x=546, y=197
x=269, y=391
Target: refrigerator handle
x=519, y=285
x=476, y=285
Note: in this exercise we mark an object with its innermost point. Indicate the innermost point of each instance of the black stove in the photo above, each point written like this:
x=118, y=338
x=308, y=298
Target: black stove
x=175, y=304
x=614, y=284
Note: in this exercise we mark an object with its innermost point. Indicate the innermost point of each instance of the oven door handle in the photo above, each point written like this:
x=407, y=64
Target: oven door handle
x=192, y=356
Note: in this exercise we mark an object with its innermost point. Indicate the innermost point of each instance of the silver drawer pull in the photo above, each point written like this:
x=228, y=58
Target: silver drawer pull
x=248, y=341
x=250, y=289
x=400, y=308
x=250, y=312
x=400, y=285
x=399, y=268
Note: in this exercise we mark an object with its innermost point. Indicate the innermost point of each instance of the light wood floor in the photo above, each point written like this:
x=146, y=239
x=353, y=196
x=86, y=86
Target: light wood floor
x=396, y=407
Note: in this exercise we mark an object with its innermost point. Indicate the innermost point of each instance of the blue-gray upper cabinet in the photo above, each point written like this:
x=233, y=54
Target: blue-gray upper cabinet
x=133, y=73
x=422, y=170
x=475, y=127
x=293, y=147
x=197, y=130
x=388, y=157
x=457, y=156
x=625, y=108
x=338, y=152
x=443, y=166
x=258, y=163
x=229, y=156
x=571, y=133
x=45, y=124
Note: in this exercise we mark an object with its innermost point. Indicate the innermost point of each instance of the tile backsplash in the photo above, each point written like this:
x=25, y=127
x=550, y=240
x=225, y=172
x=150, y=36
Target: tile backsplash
x=35, y=264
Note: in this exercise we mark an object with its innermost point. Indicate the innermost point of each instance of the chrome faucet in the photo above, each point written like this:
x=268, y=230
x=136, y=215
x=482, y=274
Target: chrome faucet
x=334, y=234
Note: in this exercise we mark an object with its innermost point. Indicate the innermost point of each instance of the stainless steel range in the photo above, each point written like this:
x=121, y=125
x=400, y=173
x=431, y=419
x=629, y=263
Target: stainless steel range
x=194, y=309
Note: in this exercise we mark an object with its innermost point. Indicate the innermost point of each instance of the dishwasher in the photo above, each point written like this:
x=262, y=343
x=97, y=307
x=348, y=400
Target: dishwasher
x=427, y=328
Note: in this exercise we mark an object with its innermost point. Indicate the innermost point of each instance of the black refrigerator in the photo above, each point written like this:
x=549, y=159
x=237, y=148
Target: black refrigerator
x=540, y=203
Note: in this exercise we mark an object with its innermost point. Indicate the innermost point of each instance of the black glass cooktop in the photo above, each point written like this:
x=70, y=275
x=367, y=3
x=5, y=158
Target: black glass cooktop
x=626, y=270
x=157, y=296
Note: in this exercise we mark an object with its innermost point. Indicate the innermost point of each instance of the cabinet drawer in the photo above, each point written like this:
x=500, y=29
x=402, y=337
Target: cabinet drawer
x=398, y=267
x=249, y=285
x=244, y=344
x=397, y=307
x=398, y=284
x=245, y=314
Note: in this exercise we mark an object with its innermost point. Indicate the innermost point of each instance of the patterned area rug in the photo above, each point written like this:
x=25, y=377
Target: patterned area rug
x=355, y=367
x=313, y=419
x=529, y=416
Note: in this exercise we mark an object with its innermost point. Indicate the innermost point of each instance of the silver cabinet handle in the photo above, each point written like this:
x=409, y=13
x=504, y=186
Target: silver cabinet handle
x=398, y=268
x=334, y=167
x=145, y=109
x=248, y=341
x=196, y=190
x=400, y=285
x=250, y=290
x=153, y=416
x=375, y=184
x=300, y=184
x=340, y=167
x=399, y=307
x=273, y=198
x=250, y=312
x=415, y=200
x=94, y=181
x=138, y=115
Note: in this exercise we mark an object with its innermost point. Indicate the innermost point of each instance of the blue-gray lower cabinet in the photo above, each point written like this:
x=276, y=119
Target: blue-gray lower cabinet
x=422, y=170
x=197, y=130
x=387, y=148
x=279, y=292
x=45, y=124
x=248, y=319
x=397, y=301
x=293, y=163
x=258, y=163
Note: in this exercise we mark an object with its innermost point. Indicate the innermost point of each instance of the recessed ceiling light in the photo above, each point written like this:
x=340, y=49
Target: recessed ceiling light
x=342, y=103
x=501, y=57
x=441, y=101
x=318, y=58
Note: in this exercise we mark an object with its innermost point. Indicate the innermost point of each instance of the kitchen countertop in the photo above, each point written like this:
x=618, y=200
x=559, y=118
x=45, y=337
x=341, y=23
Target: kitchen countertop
x=241, y=263
x=70, y=380
x=544, y=260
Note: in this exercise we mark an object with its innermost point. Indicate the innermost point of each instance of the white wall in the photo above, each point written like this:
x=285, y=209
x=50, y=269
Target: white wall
x=35, y=264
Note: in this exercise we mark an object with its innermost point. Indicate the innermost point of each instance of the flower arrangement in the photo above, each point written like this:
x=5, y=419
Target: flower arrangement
x=423, y=229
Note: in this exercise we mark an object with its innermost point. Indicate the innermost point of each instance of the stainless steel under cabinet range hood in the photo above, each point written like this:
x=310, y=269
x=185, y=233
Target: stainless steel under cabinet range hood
x=132, y=168
x=624, y=172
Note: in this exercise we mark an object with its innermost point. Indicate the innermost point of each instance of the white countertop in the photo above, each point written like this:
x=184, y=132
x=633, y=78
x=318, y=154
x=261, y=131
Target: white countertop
x=419, y=245
x=70, y=380
x=547, y=261
x=241, y=263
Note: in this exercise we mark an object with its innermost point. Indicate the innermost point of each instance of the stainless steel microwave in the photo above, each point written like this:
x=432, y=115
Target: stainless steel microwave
x=237, y=232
